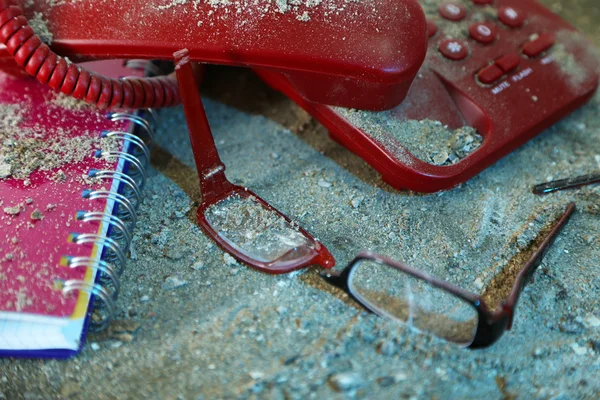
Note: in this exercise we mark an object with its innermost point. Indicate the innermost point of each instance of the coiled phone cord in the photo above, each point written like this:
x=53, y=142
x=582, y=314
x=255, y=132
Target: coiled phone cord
x=38, y=60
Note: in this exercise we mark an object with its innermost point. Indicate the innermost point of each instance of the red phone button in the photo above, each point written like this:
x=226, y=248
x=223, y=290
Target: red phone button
x=431, y=28
x=511, y=17
x=490, y=74
x=454, y=49
x=509, y=62
x=483, y=32
x=482, y=2
x=542, y=43
x=452, y=11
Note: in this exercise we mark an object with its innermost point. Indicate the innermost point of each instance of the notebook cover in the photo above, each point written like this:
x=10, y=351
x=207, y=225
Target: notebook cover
x=37, y=209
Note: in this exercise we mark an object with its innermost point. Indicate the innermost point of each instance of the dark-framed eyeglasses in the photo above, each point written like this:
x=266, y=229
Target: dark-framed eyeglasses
x=399, y=292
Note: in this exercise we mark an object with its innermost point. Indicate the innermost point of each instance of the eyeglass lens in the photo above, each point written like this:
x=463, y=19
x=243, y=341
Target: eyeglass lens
x=398, y=295
x=256, y=231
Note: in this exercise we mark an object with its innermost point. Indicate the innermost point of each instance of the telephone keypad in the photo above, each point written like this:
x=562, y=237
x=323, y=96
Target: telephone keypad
x=453, y=12
x=509, y=62
x=483, y=26
x=539, y=45
x=454, y=49
x=490, y=74
x=483, y=32
x=511, y=17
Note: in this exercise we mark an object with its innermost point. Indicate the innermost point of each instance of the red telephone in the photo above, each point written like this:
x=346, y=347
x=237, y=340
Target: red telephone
x=508, y=68
x=489, y=64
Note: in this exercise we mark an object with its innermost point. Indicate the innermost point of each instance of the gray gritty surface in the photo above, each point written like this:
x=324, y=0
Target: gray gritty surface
x=209, y=328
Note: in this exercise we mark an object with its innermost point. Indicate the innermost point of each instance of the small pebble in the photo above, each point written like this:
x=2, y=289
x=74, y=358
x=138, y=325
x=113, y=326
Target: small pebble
x=95, y=346
x=440, y=158
x=478, y=283
x=345, y=381
x=132, y=251
x=579, y=350
x=229, y=260
x=5, y=170
x=324, y=184
x=37, y=215
x=173, y=282
x=197, y=266
x=592, y=321
x=256, y=375
x=144, y=299
x=538, y=352
x=12, y=210
x=281, y=310
x=356, y=202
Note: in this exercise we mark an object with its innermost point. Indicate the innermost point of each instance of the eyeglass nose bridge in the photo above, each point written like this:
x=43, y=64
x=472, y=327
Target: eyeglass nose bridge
x=334, y=278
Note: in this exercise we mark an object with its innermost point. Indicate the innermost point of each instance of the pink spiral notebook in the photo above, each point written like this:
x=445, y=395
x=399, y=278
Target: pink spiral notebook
x=70, y=181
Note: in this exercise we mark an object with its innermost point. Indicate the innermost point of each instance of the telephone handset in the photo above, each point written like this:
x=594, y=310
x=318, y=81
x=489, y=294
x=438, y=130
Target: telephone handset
x=361, y=54
x=501, y=69
x=506, y=68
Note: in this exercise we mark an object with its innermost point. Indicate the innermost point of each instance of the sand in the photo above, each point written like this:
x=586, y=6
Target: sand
x=211, y=328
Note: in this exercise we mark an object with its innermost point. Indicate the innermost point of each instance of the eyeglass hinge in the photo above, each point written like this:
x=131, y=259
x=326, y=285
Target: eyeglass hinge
x=209, y=174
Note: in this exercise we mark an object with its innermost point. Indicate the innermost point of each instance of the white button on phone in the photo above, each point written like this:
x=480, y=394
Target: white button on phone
x=483, y=32
x=453, y=49
x=511, y=17
x=452, y=11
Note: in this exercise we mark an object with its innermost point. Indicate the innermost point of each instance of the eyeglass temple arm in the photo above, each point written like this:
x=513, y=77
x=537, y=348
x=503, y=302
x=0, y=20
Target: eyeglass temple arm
x=211, y=169
x=563, y=184
x=535, y=261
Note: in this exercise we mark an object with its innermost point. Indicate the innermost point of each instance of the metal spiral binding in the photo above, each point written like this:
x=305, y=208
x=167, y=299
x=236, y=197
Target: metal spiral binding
x=105, y=312
x=133, y=160
x=113, y=220
x=126, y=180
x=122, y=220
x=136, y=119
x=134, y=140
x=109, y=275
x=106, y=242
x=118, y=198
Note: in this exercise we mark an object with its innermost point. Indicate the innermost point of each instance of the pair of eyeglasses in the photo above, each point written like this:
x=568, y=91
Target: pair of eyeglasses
x=237, y=219
x=396, y=291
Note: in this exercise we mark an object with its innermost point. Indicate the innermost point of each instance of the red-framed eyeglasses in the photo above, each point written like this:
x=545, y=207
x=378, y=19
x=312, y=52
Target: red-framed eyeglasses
x=242, y=223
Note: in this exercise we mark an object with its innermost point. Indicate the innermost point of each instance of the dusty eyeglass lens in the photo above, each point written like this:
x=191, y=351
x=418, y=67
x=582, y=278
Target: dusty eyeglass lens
x=257, y=231
x=398, y=295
